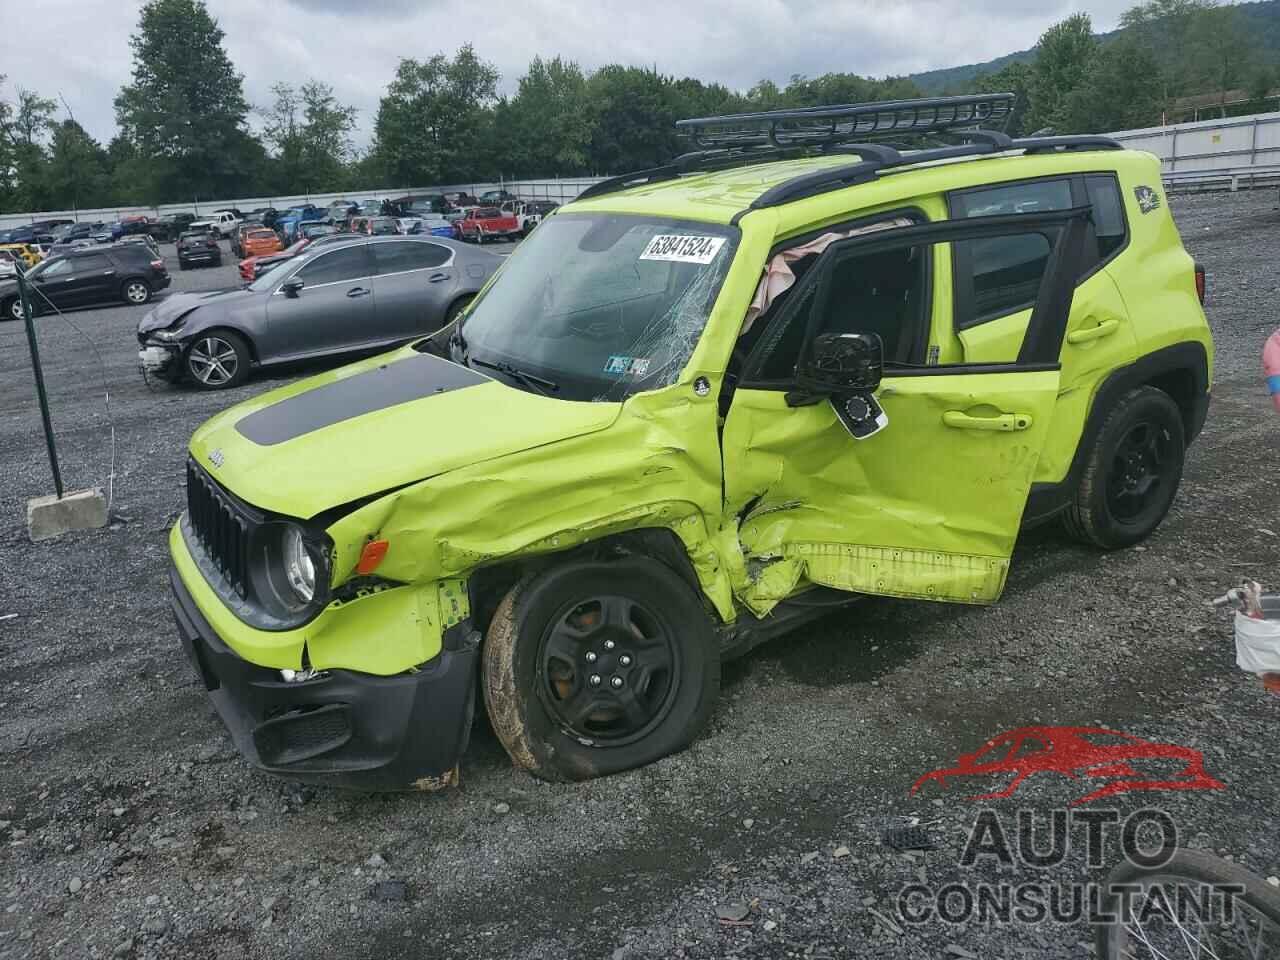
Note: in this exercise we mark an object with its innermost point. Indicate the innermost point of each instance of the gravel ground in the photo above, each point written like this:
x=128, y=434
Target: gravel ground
x=131, y=828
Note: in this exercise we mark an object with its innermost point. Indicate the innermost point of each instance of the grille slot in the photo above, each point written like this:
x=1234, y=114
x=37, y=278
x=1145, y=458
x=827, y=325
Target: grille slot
x=220, y=527
x=302, y=734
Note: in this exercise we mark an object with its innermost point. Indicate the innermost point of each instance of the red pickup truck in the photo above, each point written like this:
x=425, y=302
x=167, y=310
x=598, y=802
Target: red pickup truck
x=488, y=223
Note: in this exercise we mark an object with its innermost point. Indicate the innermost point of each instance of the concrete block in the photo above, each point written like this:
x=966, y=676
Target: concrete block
x=49, y=517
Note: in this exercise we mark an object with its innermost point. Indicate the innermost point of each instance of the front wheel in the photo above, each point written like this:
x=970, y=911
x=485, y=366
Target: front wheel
x=11, y=309
x=592, y=668
x=218, y=360
x=1194, y=906
x=1132, y=473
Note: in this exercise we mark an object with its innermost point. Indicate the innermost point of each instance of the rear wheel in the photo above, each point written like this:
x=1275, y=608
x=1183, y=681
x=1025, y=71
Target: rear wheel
x=1132, y=473
x=136, y=291
x=593, y=668
x=218, y=360
x=11, y=309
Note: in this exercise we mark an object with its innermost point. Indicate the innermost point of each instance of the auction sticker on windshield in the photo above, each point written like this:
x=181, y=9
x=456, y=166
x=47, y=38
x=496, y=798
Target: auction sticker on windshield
x=681, y=248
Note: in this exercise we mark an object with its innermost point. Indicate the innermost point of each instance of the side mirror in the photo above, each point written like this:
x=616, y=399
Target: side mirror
x=292, y=286
x=837, y=363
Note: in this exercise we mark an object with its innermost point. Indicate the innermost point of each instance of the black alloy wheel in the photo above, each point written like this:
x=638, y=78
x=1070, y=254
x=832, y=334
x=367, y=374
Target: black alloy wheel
x=605, y=670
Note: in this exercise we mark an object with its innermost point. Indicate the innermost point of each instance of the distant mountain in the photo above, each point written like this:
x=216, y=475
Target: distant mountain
x=1261, y=21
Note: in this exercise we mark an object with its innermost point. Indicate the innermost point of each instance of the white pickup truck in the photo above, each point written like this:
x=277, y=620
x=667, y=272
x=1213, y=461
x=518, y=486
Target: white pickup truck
x=225, y=221
x=528, y=212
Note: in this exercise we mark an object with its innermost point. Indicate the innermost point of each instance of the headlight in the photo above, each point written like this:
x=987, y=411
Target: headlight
x=299, y=568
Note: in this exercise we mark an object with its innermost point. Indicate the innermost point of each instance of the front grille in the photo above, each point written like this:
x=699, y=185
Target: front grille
x=220, y=527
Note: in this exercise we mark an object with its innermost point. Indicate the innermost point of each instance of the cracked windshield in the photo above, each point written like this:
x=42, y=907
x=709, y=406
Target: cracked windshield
x=600, y=306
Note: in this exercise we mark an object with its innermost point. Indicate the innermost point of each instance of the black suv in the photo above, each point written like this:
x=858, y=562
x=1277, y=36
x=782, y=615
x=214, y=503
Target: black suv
x=129, y=272
x=198, y=246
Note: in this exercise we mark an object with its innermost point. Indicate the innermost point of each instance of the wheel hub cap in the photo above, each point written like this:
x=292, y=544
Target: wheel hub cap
x=1139, y=471
x=607, y=669
x=212, y=360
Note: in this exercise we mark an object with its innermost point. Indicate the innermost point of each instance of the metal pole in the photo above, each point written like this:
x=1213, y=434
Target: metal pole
x=40, y=392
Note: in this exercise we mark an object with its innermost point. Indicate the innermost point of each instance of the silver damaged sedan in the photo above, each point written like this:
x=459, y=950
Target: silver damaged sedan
x=353, y=297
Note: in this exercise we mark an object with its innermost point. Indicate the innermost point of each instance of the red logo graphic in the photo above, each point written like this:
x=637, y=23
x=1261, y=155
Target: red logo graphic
x=1079, y=753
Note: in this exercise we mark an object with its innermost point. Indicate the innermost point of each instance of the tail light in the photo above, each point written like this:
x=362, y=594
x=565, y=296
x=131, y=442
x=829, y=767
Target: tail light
x=157, y=264
x=1200, y=283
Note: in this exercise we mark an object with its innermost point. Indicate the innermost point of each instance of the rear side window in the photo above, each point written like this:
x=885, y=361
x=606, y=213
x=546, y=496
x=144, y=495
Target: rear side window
x=1002, y=274
x=997, y=276
x=349, y=263
x=1035, y=196
x=400, y=257
x=1108, y=213
x=90, y=264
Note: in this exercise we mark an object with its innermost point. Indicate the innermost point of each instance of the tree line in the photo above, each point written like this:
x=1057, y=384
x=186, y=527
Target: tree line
x=184, y=130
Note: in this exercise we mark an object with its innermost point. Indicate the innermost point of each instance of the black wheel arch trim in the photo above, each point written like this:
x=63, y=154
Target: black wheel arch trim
x=1188, y=358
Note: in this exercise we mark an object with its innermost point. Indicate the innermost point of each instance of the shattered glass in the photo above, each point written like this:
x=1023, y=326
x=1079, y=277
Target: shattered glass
x=601, y=305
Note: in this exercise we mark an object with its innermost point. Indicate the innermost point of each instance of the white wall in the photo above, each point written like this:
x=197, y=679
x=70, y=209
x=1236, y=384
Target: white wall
x=561, y=191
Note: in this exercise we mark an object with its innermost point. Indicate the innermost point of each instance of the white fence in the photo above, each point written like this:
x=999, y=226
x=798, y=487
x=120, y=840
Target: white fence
x=1228, y=154
x=559, y=190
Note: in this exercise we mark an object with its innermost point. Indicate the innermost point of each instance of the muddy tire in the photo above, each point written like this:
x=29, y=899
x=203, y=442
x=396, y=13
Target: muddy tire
x=1132, y=473
x=592, y=668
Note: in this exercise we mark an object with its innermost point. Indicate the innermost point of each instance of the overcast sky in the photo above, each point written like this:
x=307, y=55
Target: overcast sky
x=79, y=48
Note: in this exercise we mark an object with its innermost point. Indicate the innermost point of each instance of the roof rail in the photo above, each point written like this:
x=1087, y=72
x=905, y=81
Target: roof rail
x=818, y=126
x=837, y=178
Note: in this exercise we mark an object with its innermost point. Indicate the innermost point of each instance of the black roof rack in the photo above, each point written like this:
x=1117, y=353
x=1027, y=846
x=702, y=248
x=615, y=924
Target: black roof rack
x=816, y=126
x=749, y=138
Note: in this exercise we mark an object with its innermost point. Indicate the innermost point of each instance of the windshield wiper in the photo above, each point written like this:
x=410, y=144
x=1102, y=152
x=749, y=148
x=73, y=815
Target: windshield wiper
x=539, y=384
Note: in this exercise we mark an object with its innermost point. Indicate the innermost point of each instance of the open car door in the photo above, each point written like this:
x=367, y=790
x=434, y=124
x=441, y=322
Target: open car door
x=927, y=505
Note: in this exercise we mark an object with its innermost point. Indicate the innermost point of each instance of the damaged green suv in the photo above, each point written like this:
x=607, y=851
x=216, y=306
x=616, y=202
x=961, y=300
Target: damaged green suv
x=697, y=406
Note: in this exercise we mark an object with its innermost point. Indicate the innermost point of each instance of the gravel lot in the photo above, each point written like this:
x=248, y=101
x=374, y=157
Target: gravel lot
x=131, y=828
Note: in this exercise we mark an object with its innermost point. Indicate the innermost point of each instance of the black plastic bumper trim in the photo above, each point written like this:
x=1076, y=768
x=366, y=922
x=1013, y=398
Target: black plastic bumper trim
x=344, y=728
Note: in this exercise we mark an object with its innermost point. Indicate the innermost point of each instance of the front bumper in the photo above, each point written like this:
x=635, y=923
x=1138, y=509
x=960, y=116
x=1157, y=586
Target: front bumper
x=163, y=360
x=344, y=728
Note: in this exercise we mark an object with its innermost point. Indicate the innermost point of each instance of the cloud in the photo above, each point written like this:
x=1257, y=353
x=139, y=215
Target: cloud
x=360, y=8
x=80, y=47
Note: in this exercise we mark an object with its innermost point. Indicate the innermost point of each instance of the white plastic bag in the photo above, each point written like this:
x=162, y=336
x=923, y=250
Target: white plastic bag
x=1257, y=644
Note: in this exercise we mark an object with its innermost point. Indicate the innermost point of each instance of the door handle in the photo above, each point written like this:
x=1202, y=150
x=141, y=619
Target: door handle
x=1002, y=423
x=437, y=277
x=1105, y=329
x=357, y=292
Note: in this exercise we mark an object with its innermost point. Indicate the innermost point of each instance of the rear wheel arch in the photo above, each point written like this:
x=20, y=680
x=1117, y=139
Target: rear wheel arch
x=1180, y=370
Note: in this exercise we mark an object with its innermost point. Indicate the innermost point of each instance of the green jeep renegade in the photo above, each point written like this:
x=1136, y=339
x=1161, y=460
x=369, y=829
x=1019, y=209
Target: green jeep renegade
x=698, y=405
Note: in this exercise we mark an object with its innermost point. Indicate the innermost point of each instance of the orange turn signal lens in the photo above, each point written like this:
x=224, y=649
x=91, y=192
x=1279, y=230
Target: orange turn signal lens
x=371, y=556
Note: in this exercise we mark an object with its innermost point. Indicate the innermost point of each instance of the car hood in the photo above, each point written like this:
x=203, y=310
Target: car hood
x=377, y=425
x=174, y=308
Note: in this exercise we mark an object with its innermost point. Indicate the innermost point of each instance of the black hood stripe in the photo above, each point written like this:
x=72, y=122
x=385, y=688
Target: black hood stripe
x=391, y=384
